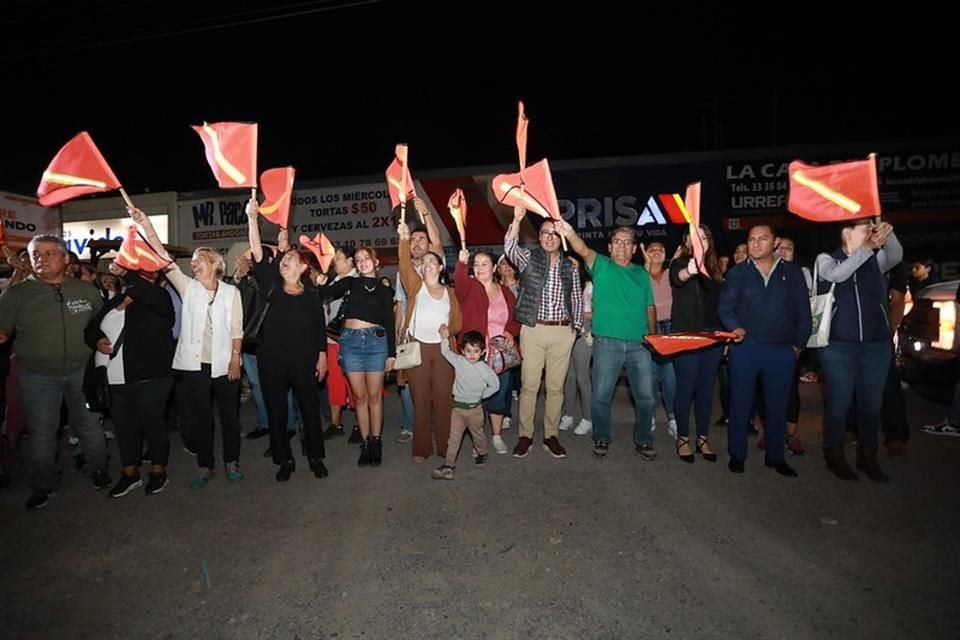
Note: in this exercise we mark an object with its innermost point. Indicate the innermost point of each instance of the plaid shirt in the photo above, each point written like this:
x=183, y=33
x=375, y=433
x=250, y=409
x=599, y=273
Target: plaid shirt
x=551, y=307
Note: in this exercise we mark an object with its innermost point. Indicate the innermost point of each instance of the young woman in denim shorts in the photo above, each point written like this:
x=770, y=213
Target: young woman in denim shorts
x=367, y=345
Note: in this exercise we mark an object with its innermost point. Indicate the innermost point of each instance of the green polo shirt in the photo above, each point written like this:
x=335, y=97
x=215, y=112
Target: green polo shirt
x=621, y=296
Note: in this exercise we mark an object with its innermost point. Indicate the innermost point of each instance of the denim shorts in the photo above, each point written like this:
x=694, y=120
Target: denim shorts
x=363, y=349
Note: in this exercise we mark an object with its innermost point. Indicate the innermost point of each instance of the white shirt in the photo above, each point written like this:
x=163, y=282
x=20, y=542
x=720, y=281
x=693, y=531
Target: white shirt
x=428, y=314
x=112, y=325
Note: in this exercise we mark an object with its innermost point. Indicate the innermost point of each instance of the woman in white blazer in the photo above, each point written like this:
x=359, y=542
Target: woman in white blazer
x=207, y=355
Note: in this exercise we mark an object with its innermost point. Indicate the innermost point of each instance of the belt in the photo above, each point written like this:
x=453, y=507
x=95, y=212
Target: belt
x=465, y=405
x=554, y=323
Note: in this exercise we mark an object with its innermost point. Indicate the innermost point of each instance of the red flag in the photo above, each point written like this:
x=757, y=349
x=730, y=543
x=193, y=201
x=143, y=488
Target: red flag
x=77, y=170
x=136, y=254
x=539, y=195
x=231, y=149
x=667, y=344
x=277, y=185
x=458, y=210
x=522, y=123
x=399, y=181
x=690, y=207
x=835, y=192
x=321, y=247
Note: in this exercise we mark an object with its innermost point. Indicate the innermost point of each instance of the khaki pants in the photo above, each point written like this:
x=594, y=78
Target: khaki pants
x=543, y=347
x=460, y=421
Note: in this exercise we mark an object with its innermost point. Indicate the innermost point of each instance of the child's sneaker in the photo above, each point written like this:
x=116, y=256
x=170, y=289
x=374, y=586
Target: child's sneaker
x=499, y=445
x=481, y=459
x=444, y=472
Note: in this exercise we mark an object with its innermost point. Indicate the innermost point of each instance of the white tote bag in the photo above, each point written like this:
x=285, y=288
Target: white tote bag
x=821, y=310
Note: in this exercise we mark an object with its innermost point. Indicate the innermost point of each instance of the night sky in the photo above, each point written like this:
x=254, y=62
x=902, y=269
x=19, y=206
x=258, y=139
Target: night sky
x=335, y=85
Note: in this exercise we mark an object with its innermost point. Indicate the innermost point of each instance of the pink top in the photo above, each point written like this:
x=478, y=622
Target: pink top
x=497, y=316
x=662, y=295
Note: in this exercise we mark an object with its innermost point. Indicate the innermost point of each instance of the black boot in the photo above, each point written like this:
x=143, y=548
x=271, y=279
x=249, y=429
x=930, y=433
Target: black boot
x=837, y=464
x=867, y=462
x=318, y=468
x=283, y=474
x=364, y=459
x=376, y=451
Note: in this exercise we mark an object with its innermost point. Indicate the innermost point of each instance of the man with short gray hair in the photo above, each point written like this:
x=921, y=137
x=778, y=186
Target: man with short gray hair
x=49, y=311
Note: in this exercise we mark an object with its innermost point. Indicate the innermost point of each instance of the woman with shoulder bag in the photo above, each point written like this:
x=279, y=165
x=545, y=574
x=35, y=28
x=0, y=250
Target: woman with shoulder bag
x=430, y=304
x=487, y=307
x=857, y=359
x=133, y=338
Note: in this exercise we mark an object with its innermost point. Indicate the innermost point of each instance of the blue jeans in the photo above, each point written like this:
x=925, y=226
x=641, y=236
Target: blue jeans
x=774, y=365
x=406, y=404
x=696, y=376
x=664, y=375
x=252, y=370
x=42, y=396
x=610, y=355
x=850, y=367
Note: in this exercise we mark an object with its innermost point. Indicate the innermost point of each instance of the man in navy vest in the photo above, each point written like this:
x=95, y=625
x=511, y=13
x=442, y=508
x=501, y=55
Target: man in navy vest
x=550, y=308
x=764, y=300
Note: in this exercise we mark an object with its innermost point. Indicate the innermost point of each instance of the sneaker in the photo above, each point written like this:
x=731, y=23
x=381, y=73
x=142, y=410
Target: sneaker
x=672, y=428
x=583, y=427
x=941, y=429
x=499, y=445
x=333, y=431
x=125, y=485
x=565, y=423
x=39, y=499
x=552, y=446
x=233, y=472
x=653, y=424
x=156, y=482
x=100, y=480
x=506, y=423
x=258, y=433
x=355, y=437
x=795, y=446
x=646, y=452
x=481, y=459
x=444, y=472
x=202, y=479
x=601, y=449
x=404, y=437
x=523, y=447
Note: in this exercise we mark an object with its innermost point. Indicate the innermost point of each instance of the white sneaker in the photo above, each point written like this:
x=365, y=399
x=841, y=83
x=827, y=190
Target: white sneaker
x=499, y=445
x=941, y=429
x=565, y=423
x=506, y=424
x=583, y=428
x=653, y=424
x=672, y=428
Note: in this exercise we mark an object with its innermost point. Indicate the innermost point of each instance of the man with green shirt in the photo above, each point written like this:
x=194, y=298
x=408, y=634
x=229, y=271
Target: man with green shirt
x=49, y=311
x=623, y=313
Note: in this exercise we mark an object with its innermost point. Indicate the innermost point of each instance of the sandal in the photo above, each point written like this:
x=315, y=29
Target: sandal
x=701, y=443
x=683, y=441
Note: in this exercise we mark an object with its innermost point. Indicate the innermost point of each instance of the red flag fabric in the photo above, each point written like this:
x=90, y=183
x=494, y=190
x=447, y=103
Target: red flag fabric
x=231, y=149
x=668, y=344
x=77, y=170
x=539, y=195
x=321, y=247
x=136, y=254
x=277, y=185
x=690, y=207
x=522, y=123
x=835, y=192
x=399, y=181
x=458, y=210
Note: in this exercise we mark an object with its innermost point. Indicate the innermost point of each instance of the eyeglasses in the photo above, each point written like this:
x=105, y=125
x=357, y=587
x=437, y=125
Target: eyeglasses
x=547, y=234
x=622, y=242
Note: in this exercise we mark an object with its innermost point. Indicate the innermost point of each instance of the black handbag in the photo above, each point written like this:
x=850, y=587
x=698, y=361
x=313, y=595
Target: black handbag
x=253, y=327
x=335, y=326
x=96, y=384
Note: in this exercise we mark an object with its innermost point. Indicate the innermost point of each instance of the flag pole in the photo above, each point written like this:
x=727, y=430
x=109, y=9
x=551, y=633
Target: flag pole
x=126, y=198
